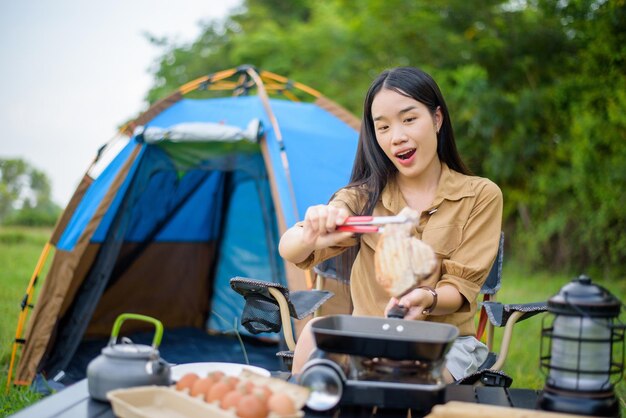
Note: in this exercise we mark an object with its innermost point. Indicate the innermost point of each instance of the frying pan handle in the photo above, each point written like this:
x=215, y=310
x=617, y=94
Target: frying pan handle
x=398, y=311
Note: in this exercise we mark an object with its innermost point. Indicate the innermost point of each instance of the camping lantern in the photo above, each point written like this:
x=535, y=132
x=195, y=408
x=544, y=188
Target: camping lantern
x=584, y=355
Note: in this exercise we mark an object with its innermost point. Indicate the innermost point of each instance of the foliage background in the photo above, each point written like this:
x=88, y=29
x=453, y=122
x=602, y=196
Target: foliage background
x=25, y=195
x=536, y=88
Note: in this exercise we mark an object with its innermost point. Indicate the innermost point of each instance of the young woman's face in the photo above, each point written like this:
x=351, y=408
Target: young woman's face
x=406, y=131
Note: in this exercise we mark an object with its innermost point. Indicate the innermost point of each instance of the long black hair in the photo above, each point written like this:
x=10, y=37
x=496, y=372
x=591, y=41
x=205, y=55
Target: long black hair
x=372, y=169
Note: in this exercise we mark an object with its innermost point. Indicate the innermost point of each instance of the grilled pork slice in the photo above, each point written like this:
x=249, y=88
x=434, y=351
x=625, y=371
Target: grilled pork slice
x=402, y=261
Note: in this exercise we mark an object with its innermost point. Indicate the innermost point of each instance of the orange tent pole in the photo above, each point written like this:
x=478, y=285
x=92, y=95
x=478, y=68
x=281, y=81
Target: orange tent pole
x=25, y=306
x=194, y=84
x=285, y=80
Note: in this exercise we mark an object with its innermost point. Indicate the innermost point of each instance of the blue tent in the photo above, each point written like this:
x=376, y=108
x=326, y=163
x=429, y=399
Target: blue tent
x=193, y=192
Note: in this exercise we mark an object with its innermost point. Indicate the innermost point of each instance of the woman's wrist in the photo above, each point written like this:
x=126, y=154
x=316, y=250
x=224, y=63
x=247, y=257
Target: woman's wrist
x=293, y=247
x=433, y=305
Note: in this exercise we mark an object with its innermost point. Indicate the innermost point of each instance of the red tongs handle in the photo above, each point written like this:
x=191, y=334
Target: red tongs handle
x=365, y=224
x=358, y=228
x=362, y=224
x=375, y=220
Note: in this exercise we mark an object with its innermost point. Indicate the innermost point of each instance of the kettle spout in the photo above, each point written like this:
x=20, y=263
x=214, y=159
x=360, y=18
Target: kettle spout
x=158, y=367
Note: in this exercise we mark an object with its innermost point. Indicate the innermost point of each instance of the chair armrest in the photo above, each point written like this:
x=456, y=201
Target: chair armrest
x=269, y=306
x=499, y=313
x=306, y=302
x=300, y=303
x=507, y=316
x=247, y=288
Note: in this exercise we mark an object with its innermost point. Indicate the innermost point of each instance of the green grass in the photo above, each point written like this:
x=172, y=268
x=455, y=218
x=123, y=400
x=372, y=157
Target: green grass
x=16, y=399
x=20, y=249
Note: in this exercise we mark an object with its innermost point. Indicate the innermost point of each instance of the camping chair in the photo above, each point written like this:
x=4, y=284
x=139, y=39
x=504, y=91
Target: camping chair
x=267, y=303
x=270, y=307
x=494, y=314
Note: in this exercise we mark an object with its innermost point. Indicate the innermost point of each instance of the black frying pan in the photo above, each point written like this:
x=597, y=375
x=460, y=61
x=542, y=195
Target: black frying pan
x=396, y=339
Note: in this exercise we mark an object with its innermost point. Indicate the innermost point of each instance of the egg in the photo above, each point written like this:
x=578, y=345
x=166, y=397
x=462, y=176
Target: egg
x=231, y=399
x=262, y=392
x=216, y=376
x=187, y=381
x=251, y=406
x=246, y=386
x=201, y=386
x=231, y=381
x=281, y=404
x=217, y=391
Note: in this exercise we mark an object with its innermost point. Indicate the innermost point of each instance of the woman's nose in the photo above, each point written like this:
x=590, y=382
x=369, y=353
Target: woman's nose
x=398, y=135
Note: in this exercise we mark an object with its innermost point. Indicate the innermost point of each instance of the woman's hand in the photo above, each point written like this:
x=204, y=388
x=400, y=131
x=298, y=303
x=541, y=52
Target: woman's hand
x=449, y=300
x=320, y=226
x=317, y=231
x=417, y=301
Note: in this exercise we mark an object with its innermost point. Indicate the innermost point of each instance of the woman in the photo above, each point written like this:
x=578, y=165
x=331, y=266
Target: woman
x=407, y=156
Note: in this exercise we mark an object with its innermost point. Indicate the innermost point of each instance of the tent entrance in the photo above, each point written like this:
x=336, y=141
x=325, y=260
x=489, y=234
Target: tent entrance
x=177, y=238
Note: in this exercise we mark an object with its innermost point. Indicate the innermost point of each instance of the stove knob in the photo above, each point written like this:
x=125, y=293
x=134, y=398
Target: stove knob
x=325, y=384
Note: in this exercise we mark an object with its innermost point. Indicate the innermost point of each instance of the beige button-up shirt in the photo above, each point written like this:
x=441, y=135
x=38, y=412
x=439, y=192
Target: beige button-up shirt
x=462, y=226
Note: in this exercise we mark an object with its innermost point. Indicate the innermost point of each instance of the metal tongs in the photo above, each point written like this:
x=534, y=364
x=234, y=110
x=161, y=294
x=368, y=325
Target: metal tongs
x=366, y=224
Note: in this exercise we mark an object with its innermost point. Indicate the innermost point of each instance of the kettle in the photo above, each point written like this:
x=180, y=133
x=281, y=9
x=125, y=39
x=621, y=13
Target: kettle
x=123, y=365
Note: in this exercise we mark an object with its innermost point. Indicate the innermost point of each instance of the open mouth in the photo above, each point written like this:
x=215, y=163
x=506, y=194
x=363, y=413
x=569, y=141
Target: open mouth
x=405, y=155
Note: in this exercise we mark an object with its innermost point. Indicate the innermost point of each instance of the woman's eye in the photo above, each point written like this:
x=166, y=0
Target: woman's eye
x=409, y=119
x=382, y=128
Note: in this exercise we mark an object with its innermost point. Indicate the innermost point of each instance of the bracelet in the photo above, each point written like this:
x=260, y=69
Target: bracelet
x=432, y=307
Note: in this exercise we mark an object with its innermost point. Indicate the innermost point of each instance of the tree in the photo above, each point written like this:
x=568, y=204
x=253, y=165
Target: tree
x=536, y=90
x=25, y=195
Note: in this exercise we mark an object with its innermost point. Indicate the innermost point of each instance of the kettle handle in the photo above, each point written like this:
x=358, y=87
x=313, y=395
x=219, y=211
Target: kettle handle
x=158, y=333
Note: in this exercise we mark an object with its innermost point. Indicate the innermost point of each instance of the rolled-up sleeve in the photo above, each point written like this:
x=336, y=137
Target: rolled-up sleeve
x=468, y=265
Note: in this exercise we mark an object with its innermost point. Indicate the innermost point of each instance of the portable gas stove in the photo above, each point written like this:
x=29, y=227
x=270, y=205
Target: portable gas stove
x=384, y=362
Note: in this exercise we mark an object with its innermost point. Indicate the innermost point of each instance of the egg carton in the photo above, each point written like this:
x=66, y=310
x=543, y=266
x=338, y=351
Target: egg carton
x=167, y=402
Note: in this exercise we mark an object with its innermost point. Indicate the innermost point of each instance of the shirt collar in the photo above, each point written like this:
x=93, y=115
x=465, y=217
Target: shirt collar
x=452, y=186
